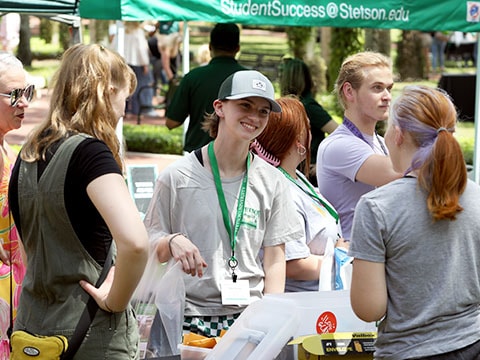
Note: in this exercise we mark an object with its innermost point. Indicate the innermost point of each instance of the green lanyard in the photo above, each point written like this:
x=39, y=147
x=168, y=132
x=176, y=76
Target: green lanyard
x=312, y=193
x=232, y=262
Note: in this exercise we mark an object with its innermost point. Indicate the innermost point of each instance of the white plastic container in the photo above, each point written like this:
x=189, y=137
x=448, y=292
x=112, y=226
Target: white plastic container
x=260, y=332
x=193, y=352
x=265, y=326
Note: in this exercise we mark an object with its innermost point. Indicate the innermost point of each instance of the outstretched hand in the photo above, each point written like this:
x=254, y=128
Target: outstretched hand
x=100, y=294
x=183, y=250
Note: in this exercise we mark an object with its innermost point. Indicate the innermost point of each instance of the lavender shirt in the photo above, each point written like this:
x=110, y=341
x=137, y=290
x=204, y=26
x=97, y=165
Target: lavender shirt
x=339, y=158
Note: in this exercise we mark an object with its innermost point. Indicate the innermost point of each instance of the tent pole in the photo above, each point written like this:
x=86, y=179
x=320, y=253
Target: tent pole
x=186, y=67
x=476, y=119
x=77, y=31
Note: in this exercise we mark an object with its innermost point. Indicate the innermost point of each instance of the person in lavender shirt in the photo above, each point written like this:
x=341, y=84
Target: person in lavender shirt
x=353, y=160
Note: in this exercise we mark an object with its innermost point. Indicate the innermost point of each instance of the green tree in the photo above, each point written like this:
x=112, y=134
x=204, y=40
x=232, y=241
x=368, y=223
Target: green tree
x=298, y=38
x=65, y=36
x=409, y=62
x=24, y=52
x=378, y=40
x=343, y=42
x=46, y=30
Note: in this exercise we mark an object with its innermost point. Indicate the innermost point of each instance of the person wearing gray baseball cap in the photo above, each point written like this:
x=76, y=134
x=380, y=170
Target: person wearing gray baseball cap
x=218, y=208
x=242, y=84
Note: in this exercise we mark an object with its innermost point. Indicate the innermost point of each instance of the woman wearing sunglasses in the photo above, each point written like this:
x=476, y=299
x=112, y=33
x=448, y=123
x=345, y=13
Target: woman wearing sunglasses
x=15, y=95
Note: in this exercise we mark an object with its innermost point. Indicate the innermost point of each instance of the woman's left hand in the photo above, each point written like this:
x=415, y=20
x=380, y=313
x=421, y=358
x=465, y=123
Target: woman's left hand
x=100, y=294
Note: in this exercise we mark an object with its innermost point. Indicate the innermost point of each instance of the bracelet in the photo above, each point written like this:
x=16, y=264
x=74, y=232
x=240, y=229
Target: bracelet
x=170, y=241
x=106, y=306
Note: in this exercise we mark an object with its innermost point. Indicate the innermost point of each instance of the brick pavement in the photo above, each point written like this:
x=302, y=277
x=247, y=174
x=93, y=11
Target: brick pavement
x=38, y=110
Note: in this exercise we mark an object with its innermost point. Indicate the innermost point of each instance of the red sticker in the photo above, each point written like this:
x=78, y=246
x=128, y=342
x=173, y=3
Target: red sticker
x=326, y=323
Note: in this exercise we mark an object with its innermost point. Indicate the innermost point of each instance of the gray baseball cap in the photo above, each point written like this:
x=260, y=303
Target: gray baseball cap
x=247, y=83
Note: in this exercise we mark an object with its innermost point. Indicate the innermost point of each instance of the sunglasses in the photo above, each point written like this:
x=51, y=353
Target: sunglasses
x=16, y=95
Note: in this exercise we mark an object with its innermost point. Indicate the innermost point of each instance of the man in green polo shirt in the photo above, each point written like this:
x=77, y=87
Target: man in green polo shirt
x=199, y=88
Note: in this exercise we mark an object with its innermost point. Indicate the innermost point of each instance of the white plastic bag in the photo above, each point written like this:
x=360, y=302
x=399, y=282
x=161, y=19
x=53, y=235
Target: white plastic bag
x=159, y=302
x=336, y=269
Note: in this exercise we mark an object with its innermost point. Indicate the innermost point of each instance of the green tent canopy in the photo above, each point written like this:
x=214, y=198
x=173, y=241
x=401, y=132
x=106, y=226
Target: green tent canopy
x=427, y=15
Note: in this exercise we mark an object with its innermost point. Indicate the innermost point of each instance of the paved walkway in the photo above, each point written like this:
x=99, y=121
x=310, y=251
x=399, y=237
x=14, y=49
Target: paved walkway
x=38, y=110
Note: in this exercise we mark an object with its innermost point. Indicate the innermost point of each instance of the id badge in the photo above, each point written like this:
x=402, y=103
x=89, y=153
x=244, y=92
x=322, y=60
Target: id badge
x=235, y=293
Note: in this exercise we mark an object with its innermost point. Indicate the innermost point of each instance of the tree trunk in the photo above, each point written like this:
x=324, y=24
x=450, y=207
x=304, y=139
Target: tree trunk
x=378, y=40
x=24, y=52
x=409, y=62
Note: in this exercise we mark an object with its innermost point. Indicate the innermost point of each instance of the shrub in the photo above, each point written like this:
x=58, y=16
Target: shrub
x=153, y=139
x=467, y=145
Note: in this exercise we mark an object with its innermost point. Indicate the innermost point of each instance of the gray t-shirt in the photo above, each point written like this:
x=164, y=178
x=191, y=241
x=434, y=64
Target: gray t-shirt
x=432, y=269
x=339, y=158
x=185, y=200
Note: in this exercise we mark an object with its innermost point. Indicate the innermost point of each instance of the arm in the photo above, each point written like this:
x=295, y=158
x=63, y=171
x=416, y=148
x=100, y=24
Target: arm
x=274, y=268
x=330, y=126
x=183, y=250
x=377, y=170
x=172, y=124
x=368, y=293
x=309, y=268
x=304, y=269
x=110, y=196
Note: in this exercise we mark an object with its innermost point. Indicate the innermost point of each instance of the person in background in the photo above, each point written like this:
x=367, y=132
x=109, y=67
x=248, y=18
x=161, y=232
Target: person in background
x=203, y=55
x=285, y=143
x=169, y=39
x=136, y=55
x=416, y=230
x=199, y=88
x=439, y=44
x=70, y=203
x=426, y=42
x=296, y=79
x=15, y=95
x=353, y=160
x=219, y=208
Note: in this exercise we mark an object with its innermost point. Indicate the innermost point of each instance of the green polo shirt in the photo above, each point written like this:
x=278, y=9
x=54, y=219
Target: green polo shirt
x=195, y=96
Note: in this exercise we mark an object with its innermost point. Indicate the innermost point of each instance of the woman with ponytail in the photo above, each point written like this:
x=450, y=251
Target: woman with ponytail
x=415, y=241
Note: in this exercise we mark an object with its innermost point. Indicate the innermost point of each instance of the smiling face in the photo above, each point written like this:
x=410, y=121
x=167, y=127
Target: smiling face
x=372, y=100
x=242, y=119
x=11, y=117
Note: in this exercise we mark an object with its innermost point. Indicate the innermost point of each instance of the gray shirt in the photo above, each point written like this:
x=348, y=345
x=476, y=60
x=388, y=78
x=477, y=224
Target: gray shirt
x=432, y=269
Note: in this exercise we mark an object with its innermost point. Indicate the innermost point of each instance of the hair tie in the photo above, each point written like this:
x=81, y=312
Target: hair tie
x=441, y=129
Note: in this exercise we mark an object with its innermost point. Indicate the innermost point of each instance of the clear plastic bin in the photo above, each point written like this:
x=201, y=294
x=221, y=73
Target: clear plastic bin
x=193, y=352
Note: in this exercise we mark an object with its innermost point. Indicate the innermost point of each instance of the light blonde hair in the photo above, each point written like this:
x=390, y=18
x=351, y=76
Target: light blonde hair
x=80, y=101
x=352, y=71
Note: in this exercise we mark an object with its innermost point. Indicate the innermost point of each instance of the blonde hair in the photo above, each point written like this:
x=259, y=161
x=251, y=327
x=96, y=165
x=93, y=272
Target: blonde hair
x=352, y=72
x=203, y=54
x=429, y=116
x=80, y=101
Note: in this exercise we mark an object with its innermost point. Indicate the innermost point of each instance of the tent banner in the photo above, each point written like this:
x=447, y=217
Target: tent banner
x=426, y=15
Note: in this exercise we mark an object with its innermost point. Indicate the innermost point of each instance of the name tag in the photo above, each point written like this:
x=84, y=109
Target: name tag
x=235, y=293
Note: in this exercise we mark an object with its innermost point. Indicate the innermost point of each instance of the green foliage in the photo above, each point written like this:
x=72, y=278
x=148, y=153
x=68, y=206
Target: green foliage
x=46, y=30
x=64, y=36
x=298, y=38
x=153, y=139
x=343, y=42
x=468, y=146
